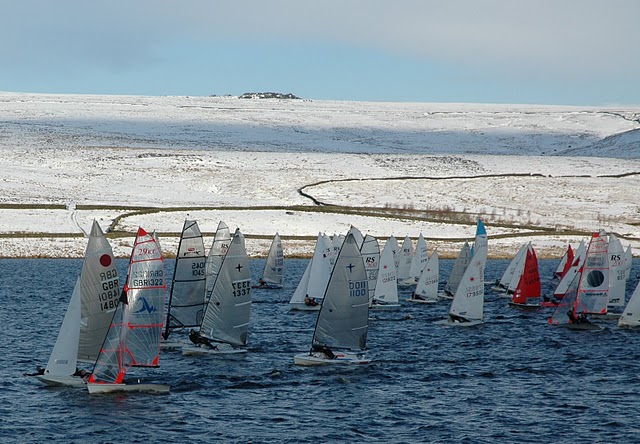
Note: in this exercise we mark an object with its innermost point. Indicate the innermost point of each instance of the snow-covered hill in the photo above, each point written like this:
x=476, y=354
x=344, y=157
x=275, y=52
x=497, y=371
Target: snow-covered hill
x=204, y=152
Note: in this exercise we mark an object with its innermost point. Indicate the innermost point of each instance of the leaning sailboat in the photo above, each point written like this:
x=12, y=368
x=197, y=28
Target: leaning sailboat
x=186, y=299
x=427, y=287
x=311, y=288
x=457, y=271
x=135, y=332
x=340, y=336
x=467, y=306
x=385, y=295
x=88, y=315
x=225, y=325
x=527, y=291
x=630, y=317
x=273, y=273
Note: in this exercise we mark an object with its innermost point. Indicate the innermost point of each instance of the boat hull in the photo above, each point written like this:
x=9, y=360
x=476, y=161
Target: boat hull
x=317, y=359
x=386, y=307
x=450, y=323
x=422, y=301
x=531, y=307
x=301, y=306
x=62, y=381
x=117, y=388
x=583, y=326
x=222, y=349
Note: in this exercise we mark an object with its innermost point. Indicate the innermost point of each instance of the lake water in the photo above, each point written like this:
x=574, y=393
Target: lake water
x=513, y=379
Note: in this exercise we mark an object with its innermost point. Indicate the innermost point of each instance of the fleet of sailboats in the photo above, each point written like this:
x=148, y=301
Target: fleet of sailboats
x=347, y=276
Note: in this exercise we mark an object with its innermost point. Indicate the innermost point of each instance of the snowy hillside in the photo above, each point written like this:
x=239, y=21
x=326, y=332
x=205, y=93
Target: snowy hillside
x=564, y=169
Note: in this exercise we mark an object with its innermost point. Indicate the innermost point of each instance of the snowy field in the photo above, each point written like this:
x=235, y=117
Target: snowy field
x=522, y=168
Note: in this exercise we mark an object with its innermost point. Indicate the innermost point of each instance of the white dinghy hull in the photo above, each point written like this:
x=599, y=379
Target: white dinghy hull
x=422, y=301
x=221, y=349
x=385, y=307
x=62, y=381
x=295, y=306
x=315, y=359
x=450, y=323
x=117, y=388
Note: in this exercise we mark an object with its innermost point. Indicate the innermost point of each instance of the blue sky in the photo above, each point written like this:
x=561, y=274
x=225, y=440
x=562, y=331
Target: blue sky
x=574, y=52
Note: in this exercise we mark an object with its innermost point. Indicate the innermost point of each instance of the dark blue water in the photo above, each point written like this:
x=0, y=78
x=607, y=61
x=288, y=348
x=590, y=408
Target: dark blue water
x=513, y=379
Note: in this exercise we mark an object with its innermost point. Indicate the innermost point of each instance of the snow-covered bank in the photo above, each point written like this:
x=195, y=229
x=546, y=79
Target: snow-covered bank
x=202, y=152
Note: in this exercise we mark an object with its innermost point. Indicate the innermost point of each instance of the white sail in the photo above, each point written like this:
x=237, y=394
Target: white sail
x=226, y=318
x=344, y=316
x=395, y=251
x=320, y=269
x=571, y=273
x=357, y=235
x=64, y=356
x=617, y=272
x=329, y=249
x=418, y=261
x=99, y=292
x=518, y=270
x=216, y=254
x=337, y=241
x=186, y=300
x=386, y=286
x=371, y=255
x=273, y=273
x=459, y=266
x=628, y=259
x=301, y=290
x=405, y=258
x=593, y=288
x=468, y=302
x=507, y=276
x=631, y=315
x=427, y=286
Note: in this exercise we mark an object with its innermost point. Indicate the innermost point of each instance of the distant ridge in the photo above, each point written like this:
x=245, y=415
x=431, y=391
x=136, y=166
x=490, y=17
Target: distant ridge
x=267, y=95
x=625, y=145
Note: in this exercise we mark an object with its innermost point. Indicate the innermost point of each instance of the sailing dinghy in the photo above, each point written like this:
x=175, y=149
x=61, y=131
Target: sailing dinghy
x=218, y=250
x=186, y=299
x=225, y=324
x=502, y=285
x=427, y=286
x=311, y=288
x=135, y=332
x=340, y=336
x=88, y=315
x=385, y=295
x=370, y=251
x=630, y=317
x=459, y=266
x=527, y=292
x=273, y=273
x=588, y=291
x=467, y=306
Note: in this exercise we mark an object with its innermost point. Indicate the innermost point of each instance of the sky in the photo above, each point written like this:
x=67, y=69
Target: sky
x=569, y=52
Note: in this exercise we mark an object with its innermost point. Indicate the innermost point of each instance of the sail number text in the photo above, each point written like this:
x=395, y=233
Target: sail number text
x=108, y=297
x=241, y=288
x=197, y=269
x=358, y=289
x=147, y=278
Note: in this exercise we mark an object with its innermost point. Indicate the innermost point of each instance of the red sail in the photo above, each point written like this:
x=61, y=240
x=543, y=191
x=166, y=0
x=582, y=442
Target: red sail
x=529, y=283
